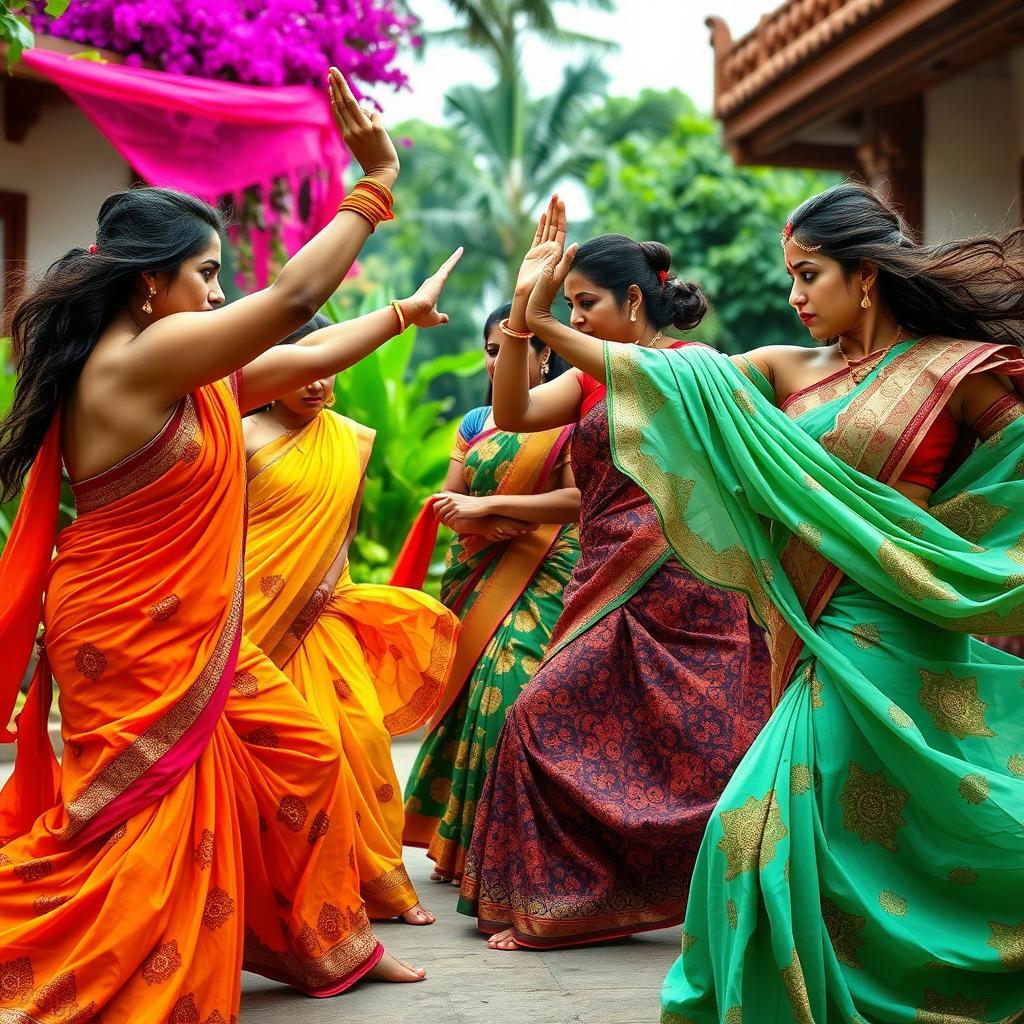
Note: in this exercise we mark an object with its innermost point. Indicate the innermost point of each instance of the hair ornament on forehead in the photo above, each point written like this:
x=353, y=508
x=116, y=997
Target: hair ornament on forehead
x=93, y=249
x=787, y=236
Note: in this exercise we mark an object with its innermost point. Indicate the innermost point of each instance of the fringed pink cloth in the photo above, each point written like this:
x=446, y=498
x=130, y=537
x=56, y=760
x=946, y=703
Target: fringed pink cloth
x=213, y=138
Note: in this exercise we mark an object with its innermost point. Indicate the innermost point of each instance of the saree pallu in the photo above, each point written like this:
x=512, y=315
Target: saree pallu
x=368, y=661
x=509, y=595
x=613, y=756
x=866, y=862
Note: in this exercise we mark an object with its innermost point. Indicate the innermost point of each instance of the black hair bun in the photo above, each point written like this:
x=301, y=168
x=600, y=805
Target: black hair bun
x=688, y=303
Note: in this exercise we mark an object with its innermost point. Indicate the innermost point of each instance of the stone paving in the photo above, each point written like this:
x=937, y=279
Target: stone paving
x=615, y=983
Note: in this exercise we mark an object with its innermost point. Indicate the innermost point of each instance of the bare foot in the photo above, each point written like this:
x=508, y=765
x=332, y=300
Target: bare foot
x=418, y=915
x=503, y=940
x=390, y=968
x=437, y=875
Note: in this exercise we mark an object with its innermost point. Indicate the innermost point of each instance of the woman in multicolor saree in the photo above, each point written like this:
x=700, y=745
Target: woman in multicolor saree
x=513, y=503
x=125, y=890
x=866, y=862
x=654, y=685
x=370, y=661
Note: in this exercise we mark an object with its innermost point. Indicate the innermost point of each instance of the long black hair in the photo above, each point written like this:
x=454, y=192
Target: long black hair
x=54, y=330
x=615, y=262
x=972, y=288
x=556, y=364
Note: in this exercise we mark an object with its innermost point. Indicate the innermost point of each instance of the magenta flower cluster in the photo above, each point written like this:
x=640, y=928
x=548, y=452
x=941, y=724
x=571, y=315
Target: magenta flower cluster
x=259, y=42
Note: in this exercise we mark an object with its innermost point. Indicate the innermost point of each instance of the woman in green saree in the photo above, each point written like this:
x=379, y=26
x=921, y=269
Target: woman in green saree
x=866, y=862
x=513, y=504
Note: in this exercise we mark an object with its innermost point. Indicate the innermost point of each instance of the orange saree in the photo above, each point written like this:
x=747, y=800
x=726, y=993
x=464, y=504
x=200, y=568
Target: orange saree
x=122, y=882
x=370, y=661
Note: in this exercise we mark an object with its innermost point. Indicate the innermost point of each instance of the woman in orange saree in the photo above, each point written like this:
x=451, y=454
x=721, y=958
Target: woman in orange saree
x=370, y=661
x=123, y=888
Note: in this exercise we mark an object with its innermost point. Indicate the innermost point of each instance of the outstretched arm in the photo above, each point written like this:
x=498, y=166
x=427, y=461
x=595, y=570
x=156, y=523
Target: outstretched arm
x=183, y=351
x=340, y=346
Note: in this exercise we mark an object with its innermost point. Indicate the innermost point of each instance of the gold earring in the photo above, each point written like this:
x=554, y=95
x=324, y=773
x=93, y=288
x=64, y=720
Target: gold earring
x=544, y=369
x=865, y=302
x=147, y=306
x=332, y=398
x=632, y=315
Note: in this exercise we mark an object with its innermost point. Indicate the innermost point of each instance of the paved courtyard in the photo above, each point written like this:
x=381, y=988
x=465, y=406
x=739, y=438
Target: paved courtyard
x=616, y=983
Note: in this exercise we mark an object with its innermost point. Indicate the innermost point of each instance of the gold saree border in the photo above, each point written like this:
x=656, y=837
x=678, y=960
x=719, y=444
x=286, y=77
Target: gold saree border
x=177, y=440
x=424, y=699
x=128, y=766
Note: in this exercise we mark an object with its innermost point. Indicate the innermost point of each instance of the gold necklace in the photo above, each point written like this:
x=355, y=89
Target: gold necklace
x=652, y=342
x=860, y=368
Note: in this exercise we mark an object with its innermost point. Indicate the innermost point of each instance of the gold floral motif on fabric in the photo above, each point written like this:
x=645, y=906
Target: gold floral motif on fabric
x=970, y=516
x=871, y=807
x=164, y=608
x=750, y=834
x=912, y=574
x=321, y=823
x=734, y=1015
x=16, y=979
x=844, y=932
x=953, y=703
x=796, y=989
x=974, y=788
x=162, y=963
x=956, y=1009
x=892, y=903
x=203, y=854
x=218, y=908
x=1015, y=765
x=90, y=661
x=810, y=535
x=1008, y=941
x=866, y=635
x=799, y=779
x=743, y=401
x=732, y=913
x=688, y=941
x=669, y=1017
x=900, y=718
x=292, y=813
x=817, y=687
x=963, y=876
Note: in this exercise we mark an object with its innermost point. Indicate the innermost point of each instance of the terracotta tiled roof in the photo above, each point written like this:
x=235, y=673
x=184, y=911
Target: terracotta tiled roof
x=792, y=35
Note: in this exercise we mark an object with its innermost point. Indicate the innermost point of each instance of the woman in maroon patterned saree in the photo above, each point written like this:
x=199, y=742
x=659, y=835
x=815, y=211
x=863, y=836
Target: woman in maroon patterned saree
x=655, y=683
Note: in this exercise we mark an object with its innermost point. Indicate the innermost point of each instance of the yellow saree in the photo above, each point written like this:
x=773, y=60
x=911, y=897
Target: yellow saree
x=370, y=661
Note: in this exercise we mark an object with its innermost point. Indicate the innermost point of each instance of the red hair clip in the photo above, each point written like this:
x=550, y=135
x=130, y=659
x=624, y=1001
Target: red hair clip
x=663, y=277
x=93, y=249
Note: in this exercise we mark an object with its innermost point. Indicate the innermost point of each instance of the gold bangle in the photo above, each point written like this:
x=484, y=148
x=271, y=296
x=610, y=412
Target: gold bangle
x=505, y=329
x=401, y=316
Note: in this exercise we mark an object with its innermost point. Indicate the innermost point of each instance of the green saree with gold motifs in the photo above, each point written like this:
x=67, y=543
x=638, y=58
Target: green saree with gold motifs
x=866, y=862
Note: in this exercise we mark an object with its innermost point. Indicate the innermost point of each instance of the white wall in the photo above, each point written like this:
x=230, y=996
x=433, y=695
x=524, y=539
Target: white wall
x=973, y=149
x=67, y=169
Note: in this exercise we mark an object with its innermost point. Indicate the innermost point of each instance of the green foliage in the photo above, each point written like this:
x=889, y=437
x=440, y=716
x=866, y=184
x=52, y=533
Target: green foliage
x=15, y=28
x=721, y=222
x=413, y=444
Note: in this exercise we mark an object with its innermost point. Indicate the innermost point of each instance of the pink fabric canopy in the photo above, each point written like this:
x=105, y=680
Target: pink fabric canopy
x=214, y=138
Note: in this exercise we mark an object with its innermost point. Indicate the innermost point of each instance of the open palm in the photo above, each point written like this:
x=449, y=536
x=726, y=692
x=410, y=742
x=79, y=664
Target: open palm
x=548, y=245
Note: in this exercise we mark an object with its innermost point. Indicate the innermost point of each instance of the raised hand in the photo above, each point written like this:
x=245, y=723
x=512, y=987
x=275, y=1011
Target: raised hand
x=421, y=307
x=364, y=133
x=548, y=243
x=549, y=280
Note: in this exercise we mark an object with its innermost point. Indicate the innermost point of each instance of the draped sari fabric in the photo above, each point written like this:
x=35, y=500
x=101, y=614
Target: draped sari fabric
x=509, y=596
x=123, y=889
x=369, y=661
x=866, y=862
x=612, y=757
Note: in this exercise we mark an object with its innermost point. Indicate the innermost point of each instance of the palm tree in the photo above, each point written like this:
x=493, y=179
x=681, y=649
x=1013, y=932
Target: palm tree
x=497, y=28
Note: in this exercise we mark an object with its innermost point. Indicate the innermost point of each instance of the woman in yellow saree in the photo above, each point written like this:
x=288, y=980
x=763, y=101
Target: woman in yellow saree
x=125, y=892
x=866, y=861
x=370, y=661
